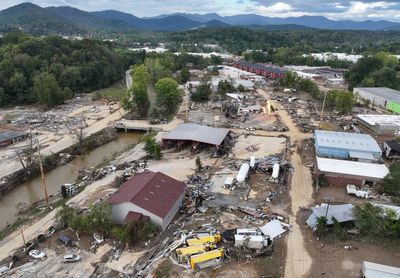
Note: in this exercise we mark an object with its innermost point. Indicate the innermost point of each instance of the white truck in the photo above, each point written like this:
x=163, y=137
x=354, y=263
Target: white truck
x=352, y=190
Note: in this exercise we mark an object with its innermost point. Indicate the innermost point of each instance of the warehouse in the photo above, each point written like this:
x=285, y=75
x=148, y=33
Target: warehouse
x=383, y=97
x=195, y=134
x=259, y=69
x=151, y=195
x=343, y=172
x=381, y=124
x=344, y=145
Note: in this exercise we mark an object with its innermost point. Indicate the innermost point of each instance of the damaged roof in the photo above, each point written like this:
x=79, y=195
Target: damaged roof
x=198, y=133
x=342, y=213
x=152, y=191
x=6, y=135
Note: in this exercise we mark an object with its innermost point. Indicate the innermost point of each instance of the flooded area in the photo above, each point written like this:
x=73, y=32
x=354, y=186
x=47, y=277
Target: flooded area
x=30, y=192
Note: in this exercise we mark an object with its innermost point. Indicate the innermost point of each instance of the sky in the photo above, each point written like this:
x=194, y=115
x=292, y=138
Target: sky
x=333, y=9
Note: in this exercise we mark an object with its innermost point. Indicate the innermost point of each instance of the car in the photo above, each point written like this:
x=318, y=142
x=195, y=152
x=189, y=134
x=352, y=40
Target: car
x=71, y=258
x=37, y=254
x=65, y=240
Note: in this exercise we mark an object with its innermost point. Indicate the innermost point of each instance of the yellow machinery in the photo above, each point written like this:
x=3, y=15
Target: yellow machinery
x=185, y=252
x=214, y=239
x=206, y=259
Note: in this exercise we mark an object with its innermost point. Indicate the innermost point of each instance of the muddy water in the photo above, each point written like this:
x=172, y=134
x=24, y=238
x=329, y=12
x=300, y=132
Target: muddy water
x=30, y=192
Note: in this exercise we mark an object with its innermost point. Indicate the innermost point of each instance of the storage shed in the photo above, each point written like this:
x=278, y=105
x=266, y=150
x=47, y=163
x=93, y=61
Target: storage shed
x=344, y=145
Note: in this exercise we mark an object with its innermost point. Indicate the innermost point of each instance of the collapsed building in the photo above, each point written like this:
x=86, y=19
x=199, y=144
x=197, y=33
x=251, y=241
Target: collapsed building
x=8, y=137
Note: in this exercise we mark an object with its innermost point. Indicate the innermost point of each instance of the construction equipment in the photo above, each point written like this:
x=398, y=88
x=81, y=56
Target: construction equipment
x=207, y=259
x=211, y=239
x=184, y=253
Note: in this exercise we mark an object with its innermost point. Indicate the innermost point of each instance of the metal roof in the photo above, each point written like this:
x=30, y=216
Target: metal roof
x=197, y=133
x=345, y=140
x=382, y=120
x=374, y=270
x=6, y=135
x=382, y=92
x=361, y=155
x=342, y=213
x=152, y=191
x=354, y=168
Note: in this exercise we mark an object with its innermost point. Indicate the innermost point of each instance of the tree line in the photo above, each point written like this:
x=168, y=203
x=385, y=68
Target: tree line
x=49, y=70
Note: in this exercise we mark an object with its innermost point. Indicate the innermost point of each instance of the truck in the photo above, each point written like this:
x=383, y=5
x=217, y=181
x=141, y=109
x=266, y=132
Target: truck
x=207, y=259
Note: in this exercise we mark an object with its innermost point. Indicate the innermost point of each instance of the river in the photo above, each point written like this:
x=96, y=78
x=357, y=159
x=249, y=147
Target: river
x=31, y=191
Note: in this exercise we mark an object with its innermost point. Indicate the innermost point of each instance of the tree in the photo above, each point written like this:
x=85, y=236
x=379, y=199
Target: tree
x=341, y=101
x=241, y=88
x=137, y=99
x=47, y=90
x=225, y=87
x=203, y=91
x=168, y=96
x=391, y=183
x=152, y=148
x=321, y=226
x=184, y=75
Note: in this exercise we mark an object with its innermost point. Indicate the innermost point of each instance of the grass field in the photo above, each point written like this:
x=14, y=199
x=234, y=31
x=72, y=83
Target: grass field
x=115, y=92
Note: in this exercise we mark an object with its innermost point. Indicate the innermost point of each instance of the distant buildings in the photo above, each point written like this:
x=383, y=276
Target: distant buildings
x=382, y=97
x=260, y=69
x=151, y=195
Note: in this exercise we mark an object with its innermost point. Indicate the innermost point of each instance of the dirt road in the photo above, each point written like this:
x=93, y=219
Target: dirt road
x=298, y=261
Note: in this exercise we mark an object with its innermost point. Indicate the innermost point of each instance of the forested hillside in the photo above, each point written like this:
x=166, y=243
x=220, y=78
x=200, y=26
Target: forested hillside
x=30, y=64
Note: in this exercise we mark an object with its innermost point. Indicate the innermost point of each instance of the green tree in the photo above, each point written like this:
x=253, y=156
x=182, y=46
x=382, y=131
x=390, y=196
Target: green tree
x=137, y=99
x=47, y=90
x=184, y=75
x=241, y=88
x=391, y=183
x=198, y=164
x=152, y=148
x=203, y=91
x=168, y=96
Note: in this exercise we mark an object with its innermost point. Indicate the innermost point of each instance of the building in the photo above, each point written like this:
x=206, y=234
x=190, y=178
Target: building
x=382, y=97
x=8, y=137
x=343, y=172
x=260, y=69
x=344, y=145
x=374, y=270
x=148, y=194
x=391, y=149
x=342, y=213
x=381, y=124
x=195, y=134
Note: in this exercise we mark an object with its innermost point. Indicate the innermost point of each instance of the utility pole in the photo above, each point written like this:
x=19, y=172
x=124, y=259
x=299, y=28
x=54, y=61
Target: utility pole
x=46, y=197
x=22, y=234
x=323, y=106
x=186, y=101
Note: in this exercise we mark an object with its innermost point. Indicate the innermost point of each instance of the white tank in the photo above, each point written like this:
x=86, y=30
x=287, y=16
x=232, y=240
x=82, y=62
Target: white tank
x=275, y=171
x=244, y=169
x=252, y=161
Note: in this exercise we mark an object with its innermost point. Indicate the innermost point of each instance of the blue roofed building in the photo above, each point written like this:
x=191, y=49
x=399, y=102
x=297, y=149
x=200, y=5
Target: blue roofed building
x=343, y=145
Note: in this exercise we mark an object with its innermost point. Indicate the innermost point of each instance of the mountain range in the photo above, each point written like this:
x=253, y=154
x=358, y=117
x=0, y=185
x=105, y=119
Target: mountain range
x=67, y=20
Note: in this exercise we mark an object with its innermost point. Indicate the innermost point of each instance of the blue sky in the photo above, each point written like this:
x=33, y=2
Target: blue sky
x=333, y=9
